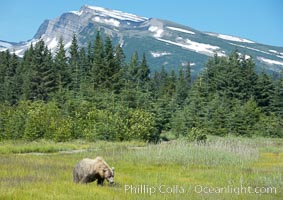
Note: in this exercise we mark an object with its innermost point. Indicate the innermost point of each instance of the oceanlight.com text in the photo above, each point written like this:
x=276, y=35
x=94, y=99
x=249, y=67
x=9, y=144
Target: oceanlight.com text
x=234, y=190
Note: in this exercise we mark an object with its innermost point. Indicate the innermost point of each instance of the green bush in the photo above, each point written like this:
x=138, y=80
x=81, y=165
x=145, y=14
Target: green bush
x=140, y=125
x=120, y=125
x=62, y=129
x=16, y=119
x=100, y=125
x=269, y=126
x=44, y=120
x=196, y=134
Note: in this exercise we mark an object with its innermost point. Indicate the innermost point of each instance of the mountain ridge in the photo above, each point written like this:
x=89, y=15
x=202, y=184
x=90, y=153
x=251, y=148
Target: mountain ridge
x=165, y=43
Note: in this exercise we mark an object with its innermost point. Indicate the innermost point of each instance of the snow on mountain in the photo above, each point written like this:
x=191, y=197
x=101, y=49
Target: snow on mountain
x=158, y=54
x=180, y=30
x=116, y=14
x=230, y=38
x=5, y=44
x=251, y=48
x=269, y=61
x=278, y=54
x=157, y=30
x=52, y=44
x=79, y=13
x=111, y=21
x=272, y=51
x=201, y=48
x=186, y=64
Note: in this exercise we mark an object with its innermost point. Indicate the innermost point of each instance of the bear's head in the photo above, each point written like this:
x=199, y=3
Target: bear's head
x=109, y=175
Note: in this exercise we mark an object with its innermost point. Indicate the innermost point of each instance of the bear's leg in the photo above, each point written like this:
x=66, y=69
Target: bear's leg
x=85, y=179
x=76, y=177
x=100, y=181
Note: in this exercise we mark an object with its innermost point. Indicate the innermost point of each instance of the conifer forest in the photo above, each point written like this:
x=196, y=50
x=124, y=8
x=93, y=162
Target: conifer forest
x=96, y=93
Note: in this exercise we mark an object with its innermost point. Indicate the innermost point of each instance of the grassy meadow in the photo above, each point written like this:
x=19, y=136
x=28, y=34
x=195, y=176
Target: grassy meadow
x=222, y=168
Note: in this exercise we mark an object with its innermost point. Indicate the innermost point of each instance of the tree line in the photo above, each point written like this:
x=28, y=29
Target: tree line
x=92, y=93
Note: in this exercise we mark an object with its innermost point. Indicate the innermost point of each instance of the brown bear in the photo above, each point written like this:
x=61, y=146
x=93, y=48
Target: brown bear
x=89, y=170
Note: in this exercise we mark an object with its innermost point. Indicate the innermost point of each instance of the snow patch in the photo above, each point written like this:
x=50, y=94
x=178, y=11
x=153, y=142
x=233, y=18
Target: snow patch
x=67, y=46
x=202, y=48
x=251, y=48
x=47, y=39
x=180, y=30
x=246, y=56
x=273, y=51
x=110, y=21
x=279, y=54
x=3, y=49
x=53, y=44
x=20, y=52
x=186, y=64
x=158, y=31
x=97, y=19
x=269, y=61
x=5, y=44
x=230, y=38
x=79, y=13
x=158, y=54
x=116, y=14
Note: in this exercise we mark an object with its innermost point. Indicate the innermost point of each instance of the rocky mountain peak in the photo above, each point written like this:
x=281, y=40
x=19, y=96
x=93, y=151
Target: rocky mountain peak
x=165, y=43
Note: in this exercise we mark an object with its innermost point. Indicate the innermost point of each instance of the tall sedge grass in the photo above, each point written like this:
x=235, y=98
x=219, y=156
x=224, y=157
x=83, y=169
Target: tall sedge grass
x=214, y=153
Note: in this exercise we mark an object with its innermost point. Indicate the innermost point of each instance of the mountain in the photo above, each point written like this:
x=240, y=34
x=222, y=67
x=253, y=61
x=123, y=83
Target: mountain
x=165, y=43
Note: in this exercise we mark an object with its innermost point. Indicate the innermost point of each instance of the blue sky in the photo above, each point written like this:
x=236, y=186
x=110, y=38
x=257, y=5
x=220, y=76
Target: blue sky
x=257, y=20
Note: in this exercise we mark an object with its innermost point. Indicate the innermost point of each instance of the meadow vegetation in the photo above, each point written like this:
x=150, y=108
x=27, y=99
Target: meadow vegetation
x=43, y=170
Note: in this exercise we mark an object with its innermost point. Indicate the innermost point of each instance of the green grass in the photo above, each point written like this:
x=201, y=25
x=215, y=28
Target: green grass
x=175, y=166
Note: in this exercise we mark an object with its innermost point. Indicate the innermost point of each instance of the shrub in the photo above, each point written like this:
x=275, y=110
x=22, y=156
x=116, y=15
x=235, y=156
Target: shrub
x=196, y=134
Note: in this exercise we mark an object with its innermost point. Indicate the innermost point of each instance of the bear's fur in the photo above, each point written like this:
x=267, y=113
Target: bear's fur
x=89, y=170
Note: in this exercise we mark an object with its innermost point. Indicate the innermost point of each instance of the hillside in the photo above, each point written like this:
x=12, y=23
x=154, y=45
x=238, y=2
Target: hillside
x=165, y=43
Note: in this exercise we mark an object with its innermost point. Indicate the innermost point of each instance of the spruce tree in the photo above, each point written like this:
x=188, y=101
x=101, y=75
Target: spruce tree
x=119, y=57
x=12, y=80
x=109, y=70
x=120, y=63
x=98, y=62
x=10, y=87
x=42, y=82
x=2, y=75
x=182, y=87
x=188, y=76
x=250, y=77
x=27, y=73
x=4, y=65
x=61, y=67
x=49, y=75
x=132, y=68
x=264, y=92
x=85, y=66
x=90, y=53
x=74, y=65
x=144, y=71
x=277, y=99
